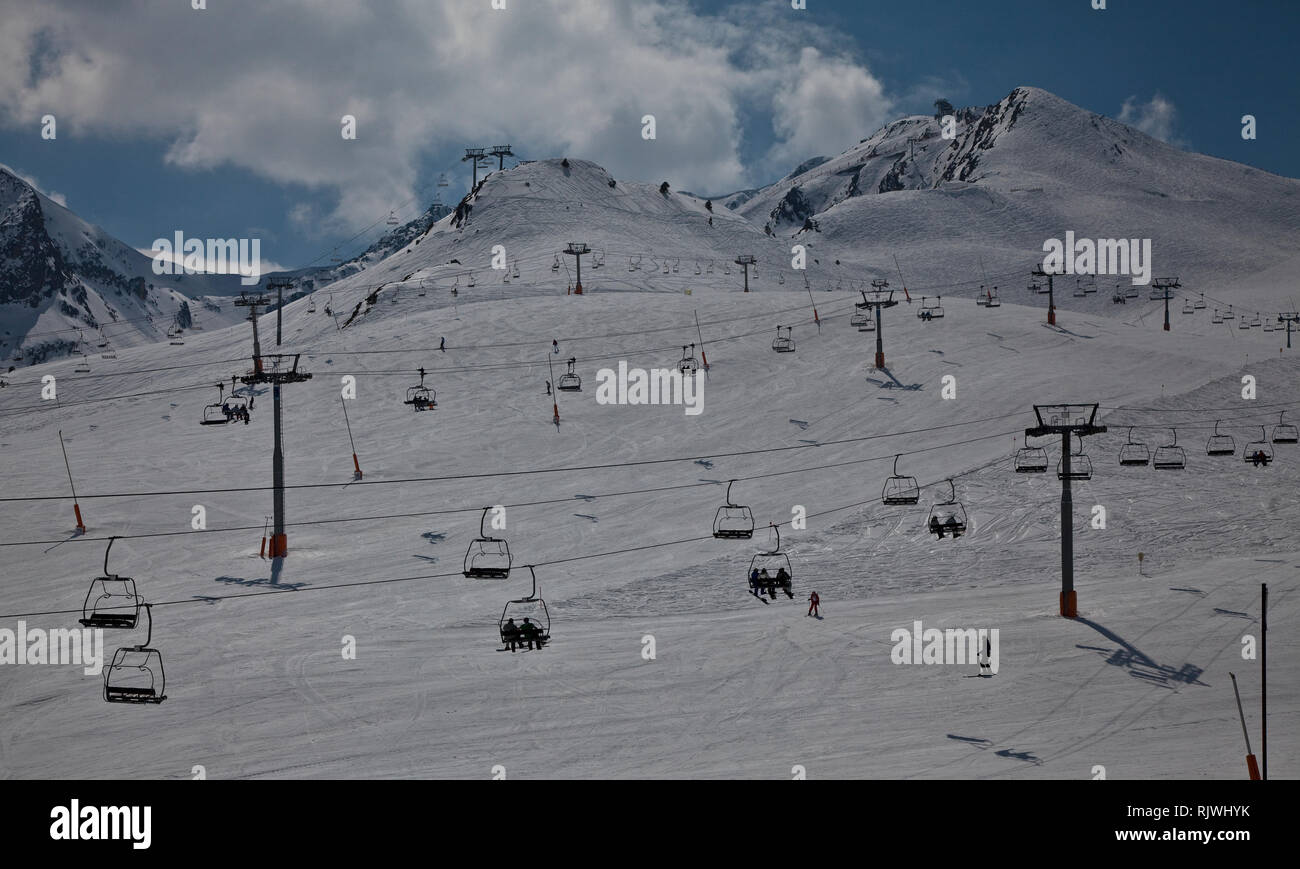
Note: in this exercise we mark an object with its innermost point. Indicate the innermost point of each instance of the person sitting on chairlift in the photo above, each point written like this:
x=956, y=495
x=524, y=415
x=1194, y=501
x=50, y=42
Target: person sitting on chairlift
x=765, y=582
x=1259, y=458
x=935, y=528
x=510, y=634
x=783, y=578
x=951, y=525
x=530, y=634
x=753, y=582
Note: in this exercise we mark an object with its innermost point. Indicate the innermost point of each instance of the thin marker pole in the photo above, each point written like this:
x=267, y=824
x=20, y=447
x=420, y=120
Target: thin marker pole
x=81, y=526
x=355, y=464
x=703, y=356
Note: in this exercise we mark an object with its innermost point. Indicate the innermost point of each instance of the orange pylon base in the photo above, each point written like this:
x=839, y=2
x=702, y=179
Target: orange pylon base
x=880, y=360
x=1253, y=767
x=356, y=465
x=279, y=545
x=1069, y=604
x=81, y=526
x=577, y=291
x=1051, y=317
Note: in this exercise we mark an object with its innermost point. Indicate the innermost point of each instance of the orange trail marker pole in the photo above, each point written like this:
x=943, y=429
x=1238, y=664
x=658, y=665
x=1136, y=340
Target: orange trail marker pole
x=703, y=356
x=355, y=464
x=1251, y=766
x=76, y=508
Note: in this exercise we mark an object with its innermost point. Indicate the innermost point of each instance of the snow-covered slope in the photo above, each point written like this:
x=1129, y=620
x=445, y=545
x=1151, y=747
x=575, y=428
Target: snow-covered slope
x=62, y=279
x=257, y=685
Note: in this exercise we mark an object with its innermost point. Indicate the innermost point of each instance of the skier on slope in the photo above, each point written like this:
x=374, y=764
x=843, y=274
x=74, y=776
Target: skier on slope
x=813, y=602
x=986, y=657
x=443, y=345
x=555, y=346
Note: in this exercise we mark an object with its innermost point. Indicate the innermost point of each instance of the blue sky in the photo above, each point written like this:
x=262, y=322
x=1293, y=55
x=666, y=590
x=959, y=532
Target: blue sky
x=224, y=122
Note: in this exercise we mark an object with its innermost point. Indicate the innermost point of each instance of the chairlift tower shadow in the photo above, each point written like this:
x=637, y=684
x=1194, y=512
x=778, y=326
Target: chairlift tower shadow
x=1066, y=420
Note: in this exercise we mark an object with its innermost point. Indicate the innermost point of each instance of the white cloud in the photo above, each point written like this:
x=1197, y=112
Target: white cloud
x=215, y=266
x=1156, y=117
x=262, y=86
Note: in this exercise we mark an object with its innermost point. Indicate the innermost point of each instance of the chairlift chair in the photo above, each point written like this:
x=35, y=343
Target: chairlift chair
x=1220, y=444
x=733, y=521
x=1080, y=466
x=784, y=343
x=135, y=674
x=219, y=413
x=1243, y=323
x=392, y=218
x=1132, y=292
x=930, y=310
x=981, y=297
x=900, y=488
x=569, y=381
x=311, y=305
x=688, y=363
x=82, y=367
x=863, y=321
x=1170, y=457
x=1228, y=314
x=1134, y=453
x=1285, y=432
x=488, y=557
x=1079, y=291
x=993, y=300
x=1217, y=318
x=112, y=601
x=1257, y=322
x=1258, y=447
x=1199, y=304
x=1031, y=460
x=769, y=571
x=947, y=517
x=532, y=608
x=1188, y=307
x=421, y=397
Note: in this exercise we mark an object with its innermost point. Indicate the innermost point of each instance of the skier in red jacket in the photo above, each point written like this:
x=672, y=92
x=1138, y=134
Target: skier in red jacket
x=813, y=602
